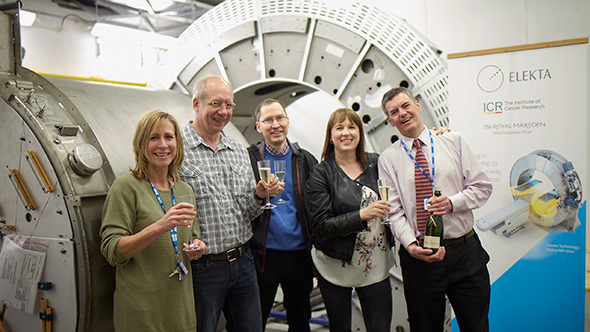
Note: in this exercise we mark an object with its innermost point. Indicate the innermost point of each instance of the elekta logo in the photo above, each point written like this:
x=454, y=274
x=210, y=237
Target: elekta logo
x=490, y=78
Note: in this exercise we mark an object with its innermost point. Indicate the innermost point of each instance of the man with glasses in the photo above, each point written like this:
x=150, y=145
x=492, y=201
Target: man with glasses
x=227, y=198
x=281, y=240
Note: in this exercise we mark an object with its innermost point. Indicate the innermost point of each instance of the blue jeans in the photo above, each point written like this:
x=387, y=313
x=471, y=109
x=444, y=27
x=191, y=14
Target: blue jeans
x=215, y=282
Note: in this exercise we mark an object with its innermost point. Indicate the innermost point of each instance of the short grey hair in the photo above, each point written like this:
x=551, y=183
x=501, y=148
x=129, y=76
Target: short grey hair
x=200, y=87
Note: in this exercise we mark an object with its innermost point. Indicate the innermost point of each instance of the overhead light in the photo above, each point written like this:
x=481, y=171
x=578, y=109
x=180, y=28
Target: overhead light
x=27, y=18
x=147, y=5
x=109, y=31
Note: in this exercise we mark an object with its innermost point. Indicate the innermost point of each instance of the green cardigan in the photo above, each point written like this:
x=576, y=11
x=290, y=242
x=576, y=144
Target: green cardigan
x=145, y=298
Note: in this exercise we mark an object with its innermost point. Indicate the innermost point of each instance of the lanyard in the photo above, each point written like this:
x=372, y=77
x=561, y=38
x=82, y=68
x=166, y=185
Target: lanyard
x=174, y=231
x=431, y=178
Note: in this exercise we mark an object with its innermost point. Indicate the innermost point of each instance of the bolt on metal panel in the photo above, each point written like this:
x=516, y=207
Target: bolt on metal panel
x=283, y=54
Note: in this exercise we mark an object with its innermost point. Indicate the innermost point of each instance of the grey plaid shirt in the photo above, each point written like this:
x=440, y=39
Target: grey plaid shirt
x=224, y=183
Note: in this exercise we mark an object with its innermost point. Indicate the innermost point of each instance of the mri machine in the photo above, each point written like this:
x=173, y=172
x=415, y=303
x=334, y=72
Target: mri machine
x=64, y=141
x=545, y=206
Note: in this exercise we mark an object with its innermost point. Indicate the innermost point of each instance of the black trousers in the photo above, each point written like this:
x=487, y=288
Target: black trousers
x=293, y=270
x=462, y=275
x=376, y=304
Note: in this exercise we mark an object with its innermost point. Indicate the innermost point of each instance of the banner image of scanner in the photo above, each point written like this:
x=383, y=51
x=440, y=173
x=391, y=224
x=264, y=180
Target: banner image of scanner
x=558, y=206
x=523, y=110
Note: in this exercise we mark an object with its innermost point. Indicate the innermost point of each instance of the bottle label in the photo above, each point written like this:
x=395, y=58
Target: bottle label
x=431, y=242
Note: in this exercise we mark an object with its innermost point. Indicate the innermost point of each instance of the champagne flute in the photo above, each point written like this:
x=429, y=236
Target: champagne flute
x=264, y=171
x=280, y=173
x=383, y=190
x=191, y=200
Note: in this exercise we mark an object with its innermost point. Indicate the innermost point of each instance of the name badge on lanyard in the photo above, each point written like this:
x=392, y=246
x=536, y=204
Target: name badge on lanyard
x=181, y=268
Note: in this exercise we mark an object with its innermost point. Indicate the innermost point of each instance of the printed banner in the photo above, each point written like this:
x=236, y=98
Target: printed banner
x=524, y=114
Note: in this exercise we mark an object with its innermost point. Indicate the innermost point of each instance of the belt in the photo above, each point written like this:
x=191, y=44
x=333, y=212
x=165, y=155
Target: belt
x=452, y=242
x=228, y=255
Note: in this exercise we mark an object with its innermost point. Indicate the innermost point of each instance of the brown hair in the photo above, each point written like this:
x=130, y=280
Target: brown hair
x=338, y=116
x=267, y=102
x=147, y=125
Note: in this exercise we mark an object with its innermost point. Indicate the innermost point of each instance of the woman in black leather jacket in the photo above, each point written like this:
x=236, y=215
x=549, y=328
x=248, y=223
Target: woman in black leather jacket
x=352, y=248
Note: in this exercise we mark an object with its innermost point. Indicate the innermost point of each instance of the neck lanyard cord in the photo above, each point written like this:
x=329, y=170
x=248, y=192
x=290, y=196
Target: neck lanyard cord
x=431, y=178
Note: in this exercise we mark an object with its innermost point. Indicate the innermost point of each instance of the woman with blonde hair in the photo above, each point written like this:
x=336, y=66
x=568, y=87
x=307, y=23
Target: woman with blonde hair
x=352, y=248
x=144, y=231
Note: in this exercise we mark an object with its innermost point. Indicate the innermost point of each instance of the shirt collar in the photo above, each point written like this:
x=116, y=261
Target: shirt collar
x=193, y=139
x=273, y=151
x=424, y=137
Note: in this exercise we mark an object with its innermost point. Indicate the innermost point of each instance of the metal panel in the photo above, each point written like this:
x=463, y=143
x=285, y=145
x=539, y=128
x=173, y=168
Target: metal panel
x=211, y=68
x=6, y=45
x=241, y=62
x=50, y=218
x=283, y=54
x=196, y=64
x=60, y=271
x=339, y=35
x=48, y=223
x=328, y=64
x=283, y=23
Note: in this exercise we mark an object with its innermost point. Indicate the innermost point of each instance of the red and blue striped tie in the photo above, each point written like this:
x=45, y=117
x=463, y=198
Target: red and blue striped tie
x=423, y=186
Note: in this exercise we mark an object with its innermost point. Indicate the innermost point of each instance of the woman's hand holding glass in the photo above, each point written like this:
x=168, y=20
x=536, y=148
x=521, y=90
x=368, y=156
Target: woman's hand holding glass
x=178, y=215
x=191, y=245
x=375, y=211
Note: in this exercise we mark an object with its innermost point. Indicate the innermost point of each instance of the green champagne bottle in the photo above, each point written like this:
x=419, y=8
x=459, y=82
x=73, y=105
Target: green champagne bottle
x=433, y=232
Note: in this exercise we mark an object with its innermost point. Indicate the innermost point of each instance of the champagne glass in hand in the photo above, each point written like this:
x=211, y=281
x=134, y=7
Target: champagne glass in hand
x=383, y=190
x=264, y=171
x=280, y=173
x=191, y=200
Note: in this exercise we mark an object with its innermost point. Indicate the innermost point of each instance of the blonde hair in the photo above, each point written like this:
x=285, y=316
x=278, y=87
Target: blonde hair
x=338, y=116
x=147, y=125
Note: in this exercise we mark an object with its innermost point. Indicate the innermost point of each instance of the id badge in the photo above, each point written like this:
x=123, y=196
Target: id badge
x=183, y=268
x=426, y=204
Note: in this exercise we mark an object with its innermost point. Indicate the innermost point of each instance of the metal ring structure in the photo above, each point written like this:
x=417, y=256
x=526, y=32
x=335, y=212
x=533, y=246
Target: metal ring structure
x=287, y=49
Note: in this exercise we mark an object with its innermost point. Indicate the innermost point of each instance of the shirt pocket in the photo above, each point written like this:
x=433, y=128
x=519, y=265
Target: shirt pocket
x=193, y=173
x=242, y=179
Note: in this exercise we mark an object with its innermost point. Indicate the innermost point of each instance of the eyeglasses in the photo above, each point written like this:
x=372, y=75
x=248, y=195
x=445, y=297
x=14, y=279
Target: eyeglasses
x=280, y=120
x=218, y=104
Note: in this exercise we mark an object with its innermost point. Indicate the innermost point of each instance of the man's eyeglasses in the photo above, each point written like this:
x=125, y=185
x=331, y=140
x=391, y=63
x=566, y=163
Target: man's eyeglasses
x=280, y=120
x=218, y=104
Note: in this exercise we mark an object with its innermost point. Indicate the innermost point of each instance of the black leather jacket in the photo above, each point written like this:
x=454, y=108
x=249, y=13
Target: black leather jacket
x=301, y=164
x=334, y=201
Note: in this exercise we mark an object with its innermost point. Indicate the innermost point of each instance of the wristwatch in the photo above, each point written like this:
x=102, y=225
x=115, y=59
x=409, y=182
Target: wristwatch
x=258, y=198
